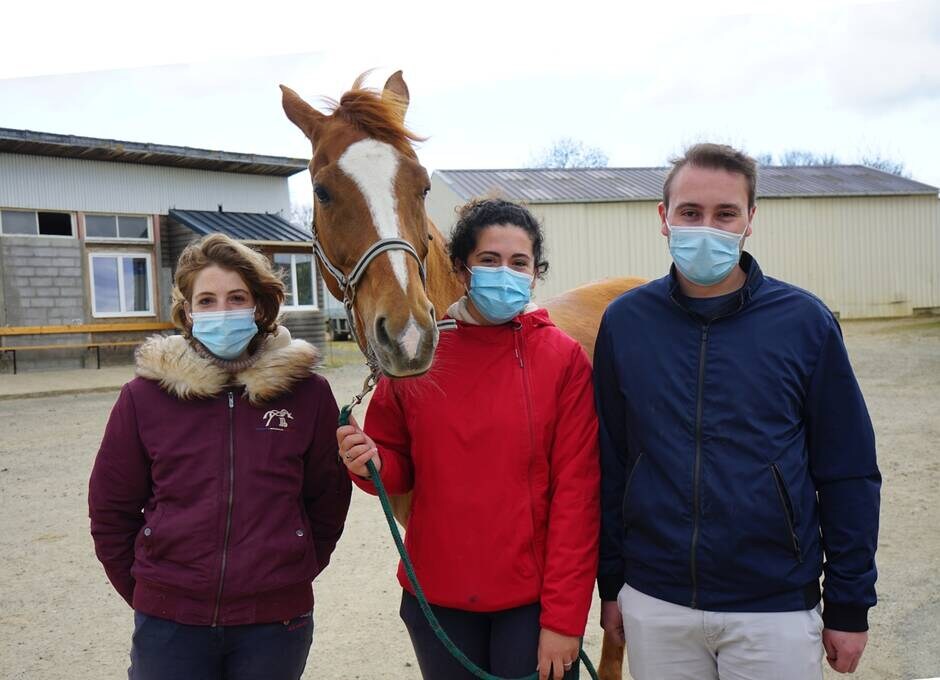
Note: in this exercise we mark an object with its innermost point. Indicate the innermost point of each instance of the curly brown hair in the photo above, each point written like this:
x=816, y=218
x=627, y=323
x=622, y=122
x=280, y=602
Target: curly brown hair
x=478, y=214
x=254, y=268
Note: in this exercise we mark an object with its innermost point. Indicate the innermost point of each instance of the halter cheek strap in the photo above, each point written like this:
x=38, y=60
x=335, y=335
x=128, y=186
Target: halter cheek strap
x=349, y=282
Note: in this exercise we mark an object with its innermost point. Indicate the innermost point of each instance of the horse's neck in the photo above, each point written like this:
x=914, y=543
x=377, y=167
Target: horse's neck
x=444, y=288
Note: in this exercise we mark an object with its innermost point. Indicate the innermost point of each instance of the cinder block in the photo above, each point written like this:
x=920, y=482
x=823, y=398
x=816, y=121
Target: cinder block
x=38, y=281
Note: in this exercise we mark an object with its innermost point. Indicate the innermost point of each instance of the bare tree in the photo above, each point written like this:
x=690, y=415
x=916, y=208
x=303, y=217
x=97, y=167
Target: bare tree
x=878, y=162
x=871, y=159
x=802, y=157
x=301, y=215
x=569, y=153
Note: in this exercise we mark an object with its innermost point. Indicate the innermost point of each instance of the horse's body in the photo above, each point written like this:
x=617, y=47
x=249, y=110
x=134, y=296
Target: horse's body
x=366, y=179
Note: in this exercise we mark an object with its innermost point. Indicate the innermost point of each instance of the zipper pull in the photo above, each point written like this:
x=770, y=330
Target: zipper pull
x=515, y=342
x=231, y=400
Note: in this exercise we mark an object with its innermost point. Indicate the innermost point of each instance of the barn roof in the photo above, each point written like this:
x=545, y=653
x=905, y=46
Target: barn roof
x=91, y=148
x=590, y=185
x=248, y=227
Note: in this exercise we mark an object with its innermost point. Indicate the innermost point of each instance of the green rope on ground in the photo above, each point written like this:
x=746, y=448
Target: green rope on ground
x=419, y=593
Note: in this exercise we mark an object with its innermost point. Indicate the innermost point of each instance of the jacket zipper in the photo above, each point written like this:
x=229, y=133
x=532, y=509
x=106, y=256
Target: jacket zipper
x=517, y=346
x=787, y=511
x=231, y=497
x=697, y=470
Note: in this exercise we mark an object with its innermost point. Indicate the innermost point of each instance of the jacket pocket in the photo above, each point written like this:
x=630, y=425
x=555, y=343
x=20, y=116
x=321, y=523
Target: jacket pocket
x=787, y=505
x=627, y=485
x=150, y=533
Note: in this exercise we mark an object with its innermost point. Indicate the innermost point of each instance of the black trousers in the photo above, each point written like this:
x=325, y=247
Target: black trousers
x=504, y=643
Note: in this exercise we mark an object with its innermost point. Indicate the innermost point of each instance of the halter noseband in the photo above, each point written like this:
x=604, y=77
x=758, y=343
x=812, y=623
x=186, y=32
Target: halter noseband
x=349, y=282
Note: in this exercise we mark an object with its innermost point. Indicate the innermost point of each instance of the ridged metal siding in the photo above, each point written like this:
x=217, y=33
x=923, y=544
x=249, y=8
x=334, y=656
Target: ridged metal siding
x=864, y=257
x=637, y=184
x=98, y=186
x=242, y=226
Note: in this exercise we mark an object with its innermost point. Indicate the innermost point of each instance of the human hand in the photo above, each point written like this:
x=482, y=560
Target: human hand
x=356, y=448
x=612, y=621
x=843, y=649
x=556, y=654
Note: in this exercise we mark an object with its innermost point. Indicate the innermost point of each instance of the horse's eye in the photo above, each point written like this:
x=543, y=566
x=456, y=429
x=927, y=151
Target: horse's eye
x=426, y=191
x=322, y=194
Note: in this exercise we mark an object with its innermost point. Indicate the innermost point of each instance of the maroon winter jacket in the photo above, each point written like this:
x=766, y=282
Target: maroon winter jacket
x=219, y=504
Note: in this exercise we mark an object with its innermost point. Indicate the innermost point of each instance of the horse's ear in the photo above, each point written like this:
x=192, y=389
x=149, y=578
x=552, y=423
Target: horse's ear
x=300, y=113
x=396, y=92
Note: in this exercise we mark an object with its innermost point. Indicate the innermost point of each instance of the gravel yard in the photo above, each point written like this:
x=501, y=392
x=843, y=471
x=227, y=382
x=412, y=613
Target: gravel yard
x=59, y=617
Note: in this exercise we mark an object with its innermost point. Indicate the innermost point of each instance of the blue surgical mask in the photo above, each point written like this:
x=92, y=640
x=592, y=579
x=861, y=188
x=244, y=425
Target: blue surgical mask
x=499, y=293
x=704, y=255
x=227, y=333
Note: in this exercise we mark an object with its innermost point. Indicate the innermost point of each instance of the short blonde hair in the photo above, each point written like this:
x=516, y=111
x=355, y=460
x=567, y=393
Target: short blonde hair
x=224, y=252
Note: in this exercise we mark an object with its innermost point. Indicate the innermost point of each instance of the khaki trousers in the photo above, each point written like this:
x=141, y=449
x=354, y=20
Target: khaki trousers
x=667, y=641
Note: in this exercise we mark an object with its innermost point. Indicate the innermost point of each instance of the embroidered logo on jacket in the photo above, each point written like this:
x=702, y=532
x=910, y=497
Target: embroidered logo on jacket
x=282, y=417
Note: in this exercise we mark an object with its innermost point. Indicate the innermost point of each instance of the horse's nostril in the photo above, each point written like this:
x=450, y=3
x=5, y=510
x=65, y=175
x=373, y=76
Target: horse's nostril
x=381, y=334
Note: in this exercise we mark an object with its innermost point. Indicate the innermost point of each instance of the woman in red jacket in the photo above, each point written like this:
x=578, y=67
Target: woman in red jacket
x=498, y=443
x=217, y=496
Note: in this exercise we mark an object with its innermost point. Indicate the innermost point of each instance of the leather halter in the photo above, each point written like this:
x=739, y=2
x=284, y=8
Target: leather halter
x=348, y=283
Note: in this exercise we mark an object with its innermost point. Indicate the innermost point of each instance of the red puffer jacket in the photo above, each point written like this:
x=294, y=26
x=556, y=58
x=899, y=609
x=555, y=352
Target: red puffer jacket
x=498, y=442
x=215, y=504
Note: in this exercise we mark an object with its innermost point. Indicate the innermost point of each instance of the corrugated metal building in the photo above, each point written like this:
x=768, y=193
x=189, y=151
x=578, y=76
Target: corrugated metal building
x=90, y=230
x=865, y=241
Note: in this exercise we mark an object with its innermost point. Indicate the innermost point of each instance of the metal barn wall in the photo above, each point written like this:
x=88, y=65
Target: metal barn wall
x=590, y=241
x=441, y=204
x=864, y=257
x=41, y=182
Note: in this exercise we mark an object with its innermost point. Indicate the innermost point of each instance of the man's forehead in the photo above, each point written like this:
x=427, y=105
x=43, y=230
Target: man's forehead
x=698, y=185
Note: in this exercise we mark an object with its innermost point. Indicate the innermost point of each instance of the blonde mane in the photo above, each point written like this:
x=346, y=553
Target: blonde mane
x=379, y=115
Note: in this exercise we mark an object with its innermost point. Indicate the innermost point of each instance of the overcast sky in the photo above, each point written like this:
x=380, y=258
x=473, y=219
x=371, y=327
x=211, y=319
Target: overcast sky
x=491, y=83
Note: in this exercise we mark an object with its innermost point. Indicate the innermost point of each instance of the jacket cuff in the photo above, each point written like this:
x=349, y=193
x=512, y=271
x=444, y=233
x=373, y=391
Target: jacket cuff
x=609, y=585
x=845, y=617
x=364, y=483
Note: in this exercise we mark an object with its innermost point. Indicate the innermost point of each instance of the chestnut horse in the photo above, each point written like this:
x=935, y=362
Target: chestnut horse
x=369, y=187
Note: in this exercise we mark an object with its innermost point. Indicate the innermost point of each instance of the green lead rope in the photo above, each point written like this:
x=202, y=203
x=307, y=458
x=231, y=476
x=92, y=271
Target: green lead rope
x=413, y=579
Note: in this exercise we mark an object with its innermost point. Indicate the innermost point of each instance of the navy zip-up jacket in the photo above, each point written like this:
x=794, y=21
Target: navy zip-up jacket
x=735, y=454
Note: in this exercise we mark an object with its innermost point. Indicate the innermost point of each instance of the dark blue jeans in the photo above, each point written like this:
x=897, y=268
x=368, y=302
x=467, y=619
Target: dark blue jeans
x=166, y=650
x=504, y=643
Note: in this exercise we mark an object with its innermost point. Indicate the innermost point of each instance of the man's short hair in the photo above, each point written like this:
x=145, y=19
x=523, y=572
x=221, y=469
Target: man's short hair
x=720, y=156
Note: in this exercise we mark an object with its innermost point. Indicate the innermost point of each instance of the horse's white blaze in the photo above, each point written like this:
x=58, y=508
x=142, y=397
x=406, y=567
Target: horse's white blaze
x=373, y=165
x=410, y=338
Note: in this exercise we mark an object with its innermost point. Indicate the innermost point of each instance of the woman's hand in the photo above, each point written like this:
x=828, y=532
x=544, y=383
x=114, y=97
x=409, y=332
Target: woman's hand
x=557, y=653
x=356, y=448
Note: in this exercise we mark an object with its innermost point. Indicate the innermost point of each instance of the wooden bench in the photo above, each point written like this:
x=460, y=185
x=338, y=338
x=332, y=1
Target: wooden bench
x=128, y=327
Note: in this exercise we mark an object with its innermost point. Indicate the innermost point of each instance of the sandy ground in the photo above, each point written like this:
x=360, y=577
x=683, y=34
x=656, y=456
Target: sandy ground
x=59, y=617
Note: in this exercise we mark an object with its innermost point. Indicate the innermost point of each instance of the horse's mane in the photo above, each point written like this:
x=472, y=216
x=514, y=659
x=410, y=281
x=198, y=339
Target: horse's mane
x=379, y=116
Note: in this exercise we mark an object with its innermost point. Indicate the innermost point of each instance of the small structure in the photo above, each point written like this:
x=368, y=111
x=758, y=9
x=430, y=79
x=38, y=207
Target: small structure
x=90, y=230
x=865, y=241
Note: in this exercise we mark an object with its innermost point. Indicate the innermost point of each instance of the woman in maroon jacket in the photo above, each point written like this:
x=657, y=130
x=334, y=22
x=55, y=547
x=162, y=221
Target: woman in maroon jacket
x=217, y=496
x=498, y=442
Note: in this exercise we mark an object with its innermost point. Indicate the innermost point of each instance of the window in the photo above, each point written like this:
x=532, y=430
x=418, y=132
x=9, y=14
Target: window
x=35, y=223
x=111, y=227
x=120, y=284
x=298, y=280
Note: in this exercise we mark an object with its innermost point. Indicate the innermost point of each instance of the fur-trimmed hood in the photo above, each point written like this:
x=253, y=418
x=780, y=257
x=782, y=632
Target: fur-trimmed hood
x=181, y=371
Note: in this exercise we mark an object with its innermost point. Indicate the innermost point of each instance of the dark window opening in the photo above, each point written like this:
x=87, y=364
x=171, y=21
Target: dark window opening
x=55, y=224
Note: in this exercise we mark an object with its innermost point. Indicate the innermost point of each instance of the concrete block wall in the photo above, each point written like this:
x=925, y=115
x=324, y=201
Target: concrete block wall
x=42, y=286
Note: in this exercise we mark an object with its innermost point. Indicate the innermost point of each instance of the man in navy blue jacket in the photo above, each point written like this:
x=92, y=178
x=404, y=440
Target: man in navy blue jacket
x=737, y=455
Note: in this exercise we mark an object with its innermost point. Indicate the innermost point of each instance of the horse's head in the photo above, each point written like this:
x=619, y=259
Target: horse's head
x=369, y=186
